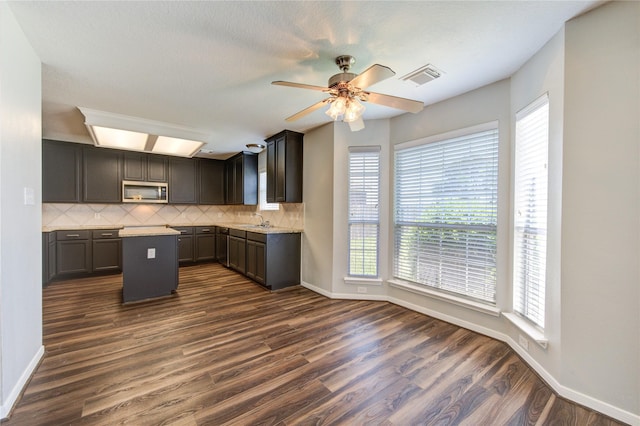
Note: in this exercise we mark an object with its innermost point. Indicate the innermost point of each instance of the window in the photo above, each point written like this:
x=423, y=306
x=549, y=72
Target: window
x=364, y=210
x=262, y=193
x=530, y=215
x=445, y=212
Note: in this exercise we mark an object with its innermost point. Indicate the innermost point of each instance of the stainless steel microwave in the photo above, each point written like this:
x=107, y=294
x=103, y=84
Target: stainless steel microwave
x=144, y=192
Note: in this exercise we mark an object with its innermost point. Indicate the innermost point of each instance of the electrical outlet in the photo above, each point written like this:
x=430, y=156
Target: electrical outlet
x=522, y=341
x=151, y=253
x=97, y=215
x=362, y=289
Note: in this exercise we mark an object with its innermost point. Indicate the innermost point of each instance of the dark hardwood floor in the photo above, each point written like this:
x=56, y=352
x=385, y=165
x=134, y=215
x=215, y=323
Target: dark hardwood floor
x=225, y=351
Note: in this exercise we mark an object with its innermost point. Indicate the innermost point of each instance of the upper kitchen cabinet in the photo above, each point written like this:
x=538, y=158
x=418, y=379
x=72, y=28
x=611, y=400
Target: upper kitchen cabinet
x=145, y=167
x=182, y=181
x=284, y=167
x=242, y=179
x=101, y=175
x=211, y=181
x=61, y=169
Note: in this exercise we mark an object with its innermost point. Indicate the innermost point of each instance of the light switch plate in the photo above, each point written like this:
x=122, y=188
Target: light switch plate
x=151, y=253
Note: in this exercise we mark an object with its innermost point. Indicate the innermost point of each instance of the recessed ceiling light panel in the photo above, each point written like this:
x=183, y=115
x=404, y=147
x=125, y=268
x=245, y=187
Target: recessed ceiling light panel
x=138, y=134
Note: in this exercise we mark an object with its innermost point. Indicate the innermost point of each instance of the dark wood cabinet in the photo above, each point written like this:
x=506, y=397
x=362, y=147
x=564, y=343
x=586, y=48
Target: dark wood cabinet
x=48, y=257
x=185, y=244
x=182, y=181
x=205, y=243
x=106, y=249
x=222, y=237
x=61, y=170
x=256, y=260
x=242, y=179
x=238, y=250
x=139, y=166
x=73, y=252
x=273, y=260
x=284, y=167
x=101, y=175
x=211, y=181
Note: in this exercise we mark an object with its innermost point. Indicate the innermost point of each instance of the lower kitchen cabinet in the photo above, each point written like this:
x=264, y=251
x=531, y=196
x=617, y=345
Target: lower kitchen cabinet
x=196, y=243
x=73, y=252
x=205, y=243
x=256, y=261
x=185, y=244
x=80, y=252
x=48, y=257
x=273, y=260
x=106, y=251
x=238, y=250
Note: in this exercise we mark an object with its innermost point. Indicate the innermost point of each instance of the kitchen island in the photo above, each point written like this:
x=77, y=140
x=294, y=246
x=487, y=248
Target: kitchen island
x=149, y=262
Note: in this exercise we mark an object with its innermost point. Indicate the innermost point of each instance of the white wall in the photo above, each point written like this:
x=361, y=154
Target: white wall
x=20, y=224
x=317, y=239
x=601, y=206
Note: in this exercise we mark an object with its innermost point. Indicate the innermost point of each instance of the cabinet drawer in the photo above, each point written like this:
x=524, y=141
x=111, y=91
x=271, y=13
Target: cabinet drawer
x=254, y=236
x=184, y=230
x=205, y=229
x=237, y=233
x=105, y=233
x=72, y=235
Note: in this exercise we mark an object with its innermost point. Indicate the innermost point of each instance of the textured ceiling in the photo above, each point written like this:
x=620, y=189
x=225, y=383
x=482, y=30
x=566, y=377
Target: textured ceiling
x=208, y=65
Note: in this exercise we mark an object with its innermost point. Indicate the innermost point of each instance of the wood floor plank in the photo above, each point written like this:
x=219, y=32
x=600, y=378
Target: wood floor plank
x=223, y=350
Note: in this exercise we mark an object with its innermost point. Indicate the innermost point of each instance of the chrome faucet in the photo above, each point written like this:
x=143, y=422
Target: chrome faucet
x=263, y=223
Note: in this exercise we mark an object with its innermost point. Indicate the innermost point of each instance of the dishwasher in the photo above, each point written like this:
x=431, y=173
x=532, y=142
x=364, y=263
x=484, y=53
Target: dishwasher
x=222, y=245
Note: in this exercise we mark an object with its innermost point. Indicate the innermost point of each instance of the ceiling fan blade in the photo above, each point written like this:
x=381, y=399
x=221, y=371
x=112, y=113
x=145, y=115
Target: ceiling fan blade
x=372, y=75
x=300, y=86
x=308, y=110
x=395, y=102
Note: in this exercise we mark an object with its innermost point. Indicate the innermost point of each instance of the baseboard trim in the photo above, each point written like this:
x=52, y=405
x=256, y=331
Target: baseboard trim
x=14, y=395
x=558, y=388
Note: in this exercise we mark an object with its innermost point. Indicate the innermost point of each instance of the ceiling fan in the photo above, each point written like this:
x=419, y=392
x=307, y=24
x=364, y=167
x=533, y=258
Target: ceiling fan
x=346, y=91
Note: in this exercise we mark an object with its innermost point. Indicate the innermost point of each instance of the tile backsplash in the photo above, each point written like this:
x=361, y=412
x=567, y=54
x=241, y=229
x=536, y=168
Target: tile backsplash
x=82, y=215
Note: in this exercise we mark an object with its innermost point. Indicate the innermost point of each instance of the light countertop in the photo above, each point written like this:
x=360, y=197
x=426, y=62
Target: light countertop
x=147, y=231
x=141, y=229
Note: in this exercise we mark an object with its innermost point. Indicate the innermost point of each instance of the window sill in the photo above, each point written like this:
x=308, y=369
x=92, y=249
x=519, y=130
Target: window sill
x=460, y=301
x=362, y=281
x=532, y=332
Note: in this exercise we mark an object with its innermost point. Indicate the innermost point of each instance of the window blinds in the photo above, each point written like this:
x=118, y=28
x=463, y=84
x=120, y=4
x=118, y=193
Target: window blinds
x=446, y=214
x=530, y=216
x=364, y=210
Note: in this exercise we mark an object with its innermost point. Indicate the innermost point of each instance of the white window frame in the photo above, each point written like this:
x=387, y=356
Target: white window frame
x=531, y=173
x=363, y=187
x=262, y=193
x=485, y=299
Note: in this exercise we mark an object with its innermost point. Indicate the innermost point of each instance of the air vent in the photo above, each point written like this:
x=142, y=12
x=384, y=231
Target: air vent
x=423, y=75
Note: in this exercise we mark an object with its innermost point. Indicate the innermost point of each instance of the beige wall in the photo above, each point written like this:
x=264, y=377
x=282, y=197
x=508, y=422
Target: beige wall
x=600, y=278
x=317, y=240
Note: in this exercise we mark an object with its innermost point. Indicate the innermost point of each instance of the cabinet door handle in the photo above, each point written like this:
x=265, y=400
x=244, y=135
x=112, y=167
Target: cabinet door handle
x=107, y=234
x=73, y=235
x=206, y=230
x=183, y=232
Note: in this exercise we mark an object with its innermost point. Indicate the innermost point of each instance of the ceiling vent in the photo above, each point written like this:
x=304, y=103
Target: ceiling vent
x=423, y=75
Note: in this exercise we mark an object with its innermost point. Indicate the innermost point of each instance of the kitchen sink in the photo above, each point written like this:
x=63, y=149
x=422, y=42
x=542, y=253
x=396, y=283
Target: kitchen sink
x=255, y=226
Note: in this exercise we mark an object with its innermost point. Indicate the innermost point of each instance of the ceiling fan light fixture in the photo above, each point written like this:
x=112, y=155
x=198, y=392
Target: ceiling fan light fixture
x=354, y=111
x=337, y=108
